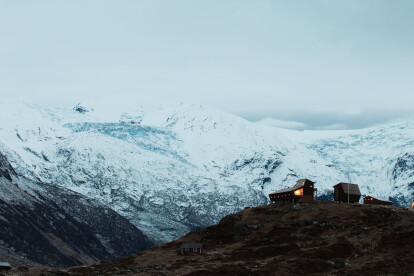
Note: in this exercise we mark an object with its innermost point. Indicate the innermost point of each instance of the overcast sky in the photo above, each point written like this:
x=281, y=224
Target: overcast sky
x=319, y=64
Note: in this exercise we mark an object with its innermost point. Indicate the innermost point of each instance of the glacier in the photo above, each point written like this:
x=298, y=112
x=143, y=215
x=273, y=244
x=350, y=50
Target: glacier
x=170, y=169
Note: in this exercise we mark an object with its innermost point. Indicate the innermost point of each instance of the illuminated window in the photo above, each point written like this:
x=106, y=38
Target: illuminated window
x=298, y=192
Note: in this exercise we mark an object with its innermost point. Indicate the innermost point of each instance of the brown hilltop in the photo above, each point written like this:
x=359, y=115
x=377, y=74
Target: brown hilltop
x=321, y=238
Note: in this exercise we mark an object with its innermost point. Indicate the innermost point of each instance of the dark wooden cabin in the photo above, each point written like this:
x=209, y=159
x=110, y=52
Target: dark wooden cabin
x=303, y=191
x=341, y=192
x=191, y=248
x=5, y=266
x=373, y=200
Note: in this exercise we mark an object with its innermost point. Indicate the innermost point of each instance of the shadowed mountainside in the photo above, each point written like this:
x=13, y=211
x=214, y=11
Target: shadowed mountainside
x=41, y=224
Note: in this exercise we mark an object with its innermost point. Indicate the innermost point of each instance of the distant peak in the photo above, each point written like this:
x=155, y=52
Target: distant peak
x=82, y=109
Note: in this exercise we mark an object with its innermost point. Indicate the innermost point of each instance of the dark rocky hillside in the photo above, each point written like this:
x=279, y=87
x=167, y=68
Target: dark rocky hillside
x=322, y=238
x=41, y=224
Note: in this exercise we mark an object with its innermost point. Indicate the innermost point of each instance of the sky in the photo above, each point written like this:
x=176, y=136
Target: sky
x=298, y=64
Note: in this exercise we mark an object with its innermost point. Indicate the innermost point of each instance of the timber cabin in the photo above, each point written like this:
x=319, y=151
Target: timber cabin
x=191, y=248
x=5, y=266
x=342, y=189
x=303, y=191
x=373, y=200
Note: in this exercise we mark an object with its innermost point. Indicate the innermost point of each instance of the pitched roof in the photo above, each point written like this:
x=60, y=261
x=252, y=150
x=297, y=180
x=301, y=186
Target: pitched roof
x=285, y=190
x=299, y=184
x=353, y=188
x=4, y=264
x=192, y=245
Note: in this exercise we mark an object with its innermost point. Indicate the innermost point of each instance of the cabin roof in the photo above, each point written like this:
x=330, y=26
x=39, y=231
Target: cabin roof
x=299, y=184
x=353, y=188
x=192, y=245
x=285, y=190
x=4, y=264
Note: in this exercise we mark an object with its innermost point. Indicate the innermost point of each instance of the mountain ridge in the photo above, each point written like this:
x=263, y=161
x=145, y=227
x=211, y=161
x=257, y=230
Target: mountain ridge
x=168, y=170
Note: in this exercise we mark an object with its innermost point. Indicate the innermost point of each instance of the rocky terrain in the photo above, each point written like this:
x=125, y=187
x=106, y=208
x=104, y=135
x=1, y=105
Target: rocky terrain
x=322, y=238
x=41, y=224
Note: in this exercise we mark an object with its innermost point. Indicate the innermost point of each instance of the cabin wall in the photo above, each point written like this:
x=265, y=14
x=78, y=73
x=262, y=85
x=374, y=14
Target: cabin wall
x=341, y=196
x=191, y=251
x=283, y=197
x=291, y=197
x=337, y=193
x=308, y=189
x=353, y=198
x=376, y=202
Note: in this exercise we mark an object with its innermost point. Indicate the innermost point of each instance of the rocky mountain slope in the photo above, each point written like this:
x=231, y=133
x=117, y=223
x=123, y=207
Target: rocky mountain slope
x=323, y=238
x=42, y=224
x=168, y=170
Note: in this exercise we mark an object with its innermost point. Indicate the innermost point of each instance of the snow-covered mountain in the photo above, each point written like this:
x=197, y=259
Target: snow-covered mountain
x=171, y=169
x=379, y=159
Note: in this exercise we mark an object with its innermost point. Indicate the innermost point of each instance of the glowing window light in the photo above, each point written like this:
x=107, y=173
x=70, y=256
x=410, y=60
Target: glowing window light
x=298, y=192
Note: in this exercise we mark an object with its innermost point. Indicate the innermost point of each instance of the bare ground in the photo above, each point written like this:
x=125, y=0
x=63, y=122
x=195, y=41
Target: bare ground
x=322, y=238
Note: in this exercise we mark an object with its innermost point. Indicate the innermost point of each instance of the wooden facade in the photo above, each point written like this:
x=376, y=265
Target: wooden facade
x=303, y=191
x=5, y=266
x=341, y=191
x=191, y=248
x=373, y=200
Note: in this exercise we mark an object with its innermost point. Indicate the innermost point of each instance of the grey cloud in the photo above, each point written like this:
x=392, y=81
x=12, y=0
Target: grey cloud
x=302, y=62
x=304, y=119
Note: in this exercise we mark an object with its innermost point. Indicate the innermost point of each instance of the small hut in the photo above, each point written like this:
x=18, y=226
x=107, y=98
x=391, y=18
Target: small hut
x=303, y=191
x=191, y=248
x=346, y=191
x=5, y=266
x=412, y=205
x=373, y=200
